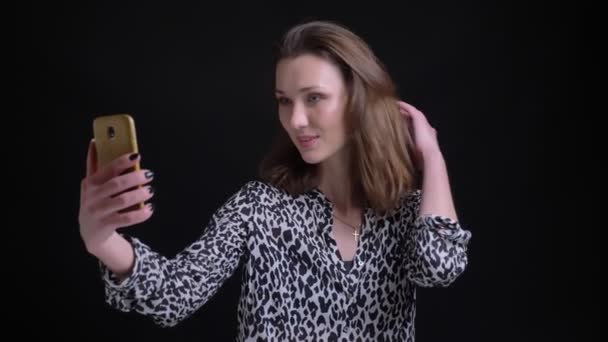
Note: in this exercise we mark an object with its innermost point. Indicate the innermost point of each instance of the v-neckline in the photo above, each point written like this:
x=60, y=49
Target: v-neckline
x=324, y=225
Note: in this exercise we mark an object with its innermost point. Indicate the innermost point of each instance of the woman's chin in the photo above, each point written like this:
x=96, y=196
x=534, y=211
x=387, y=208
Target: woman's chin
x=311, y=158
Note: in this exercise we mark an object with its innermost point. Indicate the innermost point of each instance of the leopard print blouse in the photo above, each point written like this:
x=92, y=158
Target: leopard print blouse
x=295, y=286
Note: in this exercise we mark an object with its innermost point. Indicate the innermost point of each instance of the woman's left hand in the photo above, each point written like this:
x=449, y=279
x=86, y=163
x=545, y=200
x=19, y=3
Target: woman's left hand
x=423, y=134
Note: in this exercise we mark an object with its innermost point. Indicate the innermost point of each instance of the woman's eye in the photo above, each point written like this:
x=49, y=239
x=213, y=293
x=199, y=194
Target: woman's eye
x=314, y=98
x=283, y=101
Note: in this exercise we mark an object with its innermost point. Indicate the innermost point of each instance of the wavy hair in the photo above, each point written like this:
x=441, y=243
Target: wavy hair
x=382, y=160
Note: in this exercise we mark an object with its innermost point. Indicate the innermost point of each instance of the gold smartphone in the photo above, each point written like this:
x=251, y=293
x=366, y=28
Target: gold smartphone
x=115, y=135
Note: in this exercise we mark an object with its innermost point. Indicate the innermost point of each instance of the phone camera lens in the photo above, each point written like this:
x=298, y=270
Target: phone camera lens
x=111, y=132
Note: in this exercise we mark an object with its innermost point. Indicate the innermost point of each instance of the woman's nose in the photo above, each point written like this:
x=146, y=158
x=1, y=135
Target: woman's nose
x=299, y=117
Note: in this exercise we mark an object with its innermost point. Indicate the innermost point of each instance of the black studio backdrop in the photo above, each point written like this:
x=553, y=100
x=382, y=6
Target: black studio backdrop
x=199, y=82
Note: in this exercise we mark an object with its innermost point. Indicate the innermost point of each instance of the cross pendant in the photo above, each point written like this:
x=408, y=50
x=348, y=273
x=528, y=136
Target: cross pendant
x=356, y=235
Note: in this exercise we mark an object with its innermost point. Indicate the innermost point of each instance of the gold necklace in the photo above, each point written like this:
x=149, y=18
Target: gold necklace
x=356, y=233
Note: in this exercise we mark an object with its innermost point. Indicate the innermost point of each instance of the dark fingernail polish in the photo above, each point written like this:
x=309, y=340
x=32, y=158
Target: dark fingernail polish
x=151, y=206
x=149, y=174
x=134, y=156
x=151, y=189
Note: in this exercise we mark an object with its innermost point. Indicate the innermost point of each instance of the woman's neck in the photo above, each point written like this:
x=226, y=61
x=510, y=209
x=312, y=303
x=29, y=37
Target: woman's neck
x=335, y=181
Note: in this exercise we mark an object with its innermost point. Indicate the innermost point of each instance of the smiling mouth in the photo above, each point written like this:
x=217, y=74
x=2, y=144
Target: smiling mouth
x=307, y=141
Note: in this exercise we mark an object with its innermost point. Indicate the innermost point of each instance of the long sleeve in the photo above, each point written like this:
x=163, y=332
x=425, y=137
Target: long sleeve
x=170, y=290
x=435, y=246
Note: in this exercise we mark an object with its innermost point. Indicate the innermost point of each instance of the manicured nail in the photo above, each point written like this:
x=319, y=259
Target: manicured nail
x=149, y=174
x=151, y=189
x=134, y=156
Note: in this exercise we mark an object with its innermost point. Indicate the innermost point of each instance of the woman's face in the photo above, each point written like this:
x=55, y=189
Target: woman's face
x=312, y=99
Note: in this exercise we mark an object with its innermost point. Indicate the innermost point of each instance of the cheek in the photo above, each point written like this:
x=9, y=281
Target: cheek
x=331, y=118
x=284, y=120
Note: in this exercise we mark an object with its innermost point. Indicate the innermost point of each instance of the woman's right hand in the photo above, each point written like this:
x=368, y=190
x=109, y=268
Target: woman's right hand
x=103, y=194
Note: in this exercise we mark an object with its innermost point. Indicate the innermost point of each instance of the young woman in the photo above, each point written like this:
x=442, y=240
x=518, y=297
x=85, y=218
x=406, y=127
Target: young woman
x=352, y=211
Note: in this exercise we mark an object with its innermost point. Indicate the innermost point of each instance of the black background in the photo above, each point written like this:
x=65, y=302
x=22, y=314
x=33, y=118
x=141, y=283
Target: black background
x=492, y=77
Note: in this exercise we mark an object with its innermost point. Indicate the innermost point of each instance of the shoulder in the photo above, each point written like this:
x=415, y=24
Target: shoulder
x=258, y=186
x=409, y=202
x=262, y=192
x=413, y=197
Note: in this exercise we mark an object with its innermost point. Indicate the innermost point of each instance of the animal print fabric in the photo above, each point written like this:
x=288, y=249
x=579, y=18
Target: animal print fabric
x=295, y=286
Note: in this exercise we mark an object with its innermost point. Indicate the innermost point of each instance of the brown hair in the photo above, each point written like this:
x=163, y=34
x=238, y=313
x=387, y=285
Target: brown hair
x=382, y=165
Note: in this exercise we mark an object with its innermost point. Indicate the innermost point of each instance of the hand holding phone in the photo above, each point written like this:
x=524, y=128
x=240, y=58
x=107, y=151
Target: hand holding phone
x=114, y=191
x=116, y=136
